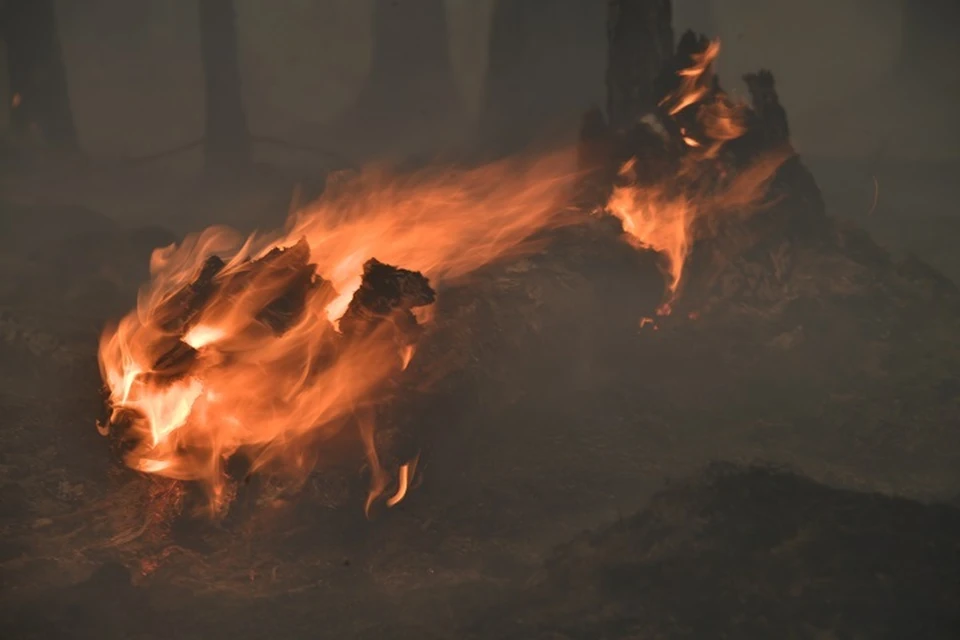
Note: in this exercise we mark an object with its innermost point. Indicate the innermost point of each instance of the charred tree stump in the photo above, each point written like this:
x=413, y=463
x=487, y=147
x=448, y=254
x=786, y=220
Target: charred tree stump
x=40, y=103
x=227, y=142
x=640, y=41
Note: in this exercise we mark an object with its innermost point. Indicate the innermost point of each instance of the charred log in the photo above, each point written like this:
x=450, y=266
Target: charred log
x=180, y=308
x=387, y=293
x=291, y=276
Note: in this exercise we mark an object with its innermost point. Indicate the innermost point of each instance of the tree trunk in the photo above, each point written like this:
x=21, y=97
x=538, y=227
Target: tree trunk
x=539, y=68
x=409, y=100
x=640, y=41
x=227, y=143
x=40, y=102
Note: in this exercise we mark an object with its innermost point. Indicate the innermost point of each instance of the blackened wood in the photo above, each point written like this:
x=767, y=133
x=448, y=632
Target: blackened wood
x=386, y=293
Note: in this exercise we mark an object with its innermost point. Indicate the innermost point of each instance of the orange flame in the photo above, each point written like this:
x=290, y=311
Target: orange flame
x=230, y=385
x=407, y=471
x=719, y=118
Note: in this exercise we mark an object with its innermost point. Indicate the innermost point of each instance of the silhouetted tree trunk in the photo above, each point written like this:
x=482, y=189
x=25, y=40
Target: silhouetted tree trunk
x=539, y=68
x=227, y=143
x=40, y=103
x=640, y=43
x=409, y=95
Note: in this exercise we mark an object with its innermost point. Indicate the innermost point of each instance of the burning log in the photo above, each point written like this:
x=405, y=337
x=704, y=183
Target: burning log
x=255, y=356
x=289, y=276
x=177, y=312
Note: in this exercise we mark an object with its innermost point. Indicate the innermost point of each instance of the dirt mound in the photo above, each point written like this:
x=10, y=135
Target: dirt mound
x=752, y=553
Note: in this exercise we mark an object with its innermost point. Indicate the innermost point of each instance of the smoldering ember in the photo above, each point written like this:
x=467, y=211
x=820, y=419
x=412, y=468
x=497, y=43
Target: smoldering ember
x=648, y=380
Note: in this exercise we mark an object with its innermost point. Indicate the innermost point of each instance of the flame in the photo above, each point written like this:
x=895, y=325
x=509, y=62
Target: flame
x=407, y=355
x=191, y=390
x=718, y=118
x=667, y=215
x=407, y=471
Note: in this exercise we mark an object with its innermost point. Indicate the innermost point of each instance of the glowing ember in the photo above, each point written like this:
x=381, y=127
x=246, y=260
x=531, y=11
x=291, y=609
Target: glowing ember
x=235, y=347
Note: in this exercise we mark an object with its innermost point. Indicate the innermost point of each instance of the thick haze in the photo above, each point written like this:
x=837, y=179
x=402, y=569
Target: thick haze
x=842, y=66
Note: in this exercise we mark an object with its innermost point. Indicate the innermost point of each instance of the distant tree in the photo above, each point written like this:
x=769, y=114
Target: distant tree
x=410, y=91
x=40, y=102
x=508, y=86
x=227, y=141
x=539, y=67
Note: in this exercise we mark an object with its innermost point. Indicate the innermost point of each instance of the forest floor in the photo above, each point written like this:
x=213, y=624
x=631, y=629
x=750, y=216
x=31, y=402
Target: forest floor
x=830, y=391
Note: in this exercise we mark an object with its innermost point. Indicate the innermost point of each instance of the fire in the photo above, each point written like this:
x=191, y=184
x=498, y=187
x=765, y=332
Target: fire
x=235, y=346
x=667, y=215
x=407, y=472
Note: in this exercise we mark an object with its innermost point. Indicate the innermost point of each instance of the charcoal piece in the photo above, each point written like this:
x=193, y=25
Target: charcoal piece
x=386, y=292
x=290, y=269
x=284, y=311
x=280, y=258
x=177, y=311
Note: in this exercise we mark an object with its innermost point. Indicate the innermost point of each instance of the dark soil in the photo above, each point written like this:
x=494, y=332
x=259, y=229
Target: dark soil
x=555, y=413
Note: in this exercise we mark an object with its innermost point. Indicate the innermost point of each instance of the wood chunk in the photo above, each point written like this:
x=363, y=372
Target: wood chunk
x=386, y=292
x=179, y=309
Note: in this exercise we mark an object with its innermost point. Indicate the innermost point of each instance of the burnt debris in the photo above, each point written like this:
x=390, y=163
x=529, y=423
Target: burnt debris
x=386, y=293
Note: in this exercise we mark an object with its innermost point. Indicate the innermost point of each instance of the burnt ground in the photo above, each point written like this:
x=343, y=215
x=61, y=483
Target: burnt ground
x=560, y=415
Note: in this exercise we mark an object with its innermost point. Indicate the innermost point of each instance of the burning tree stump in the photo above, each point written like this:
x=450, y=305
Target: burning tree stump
x=689, y=171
